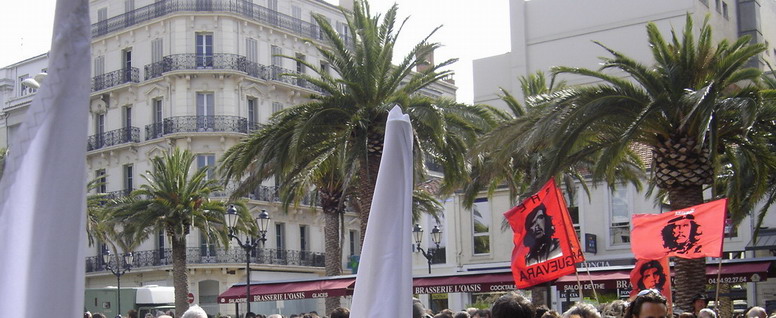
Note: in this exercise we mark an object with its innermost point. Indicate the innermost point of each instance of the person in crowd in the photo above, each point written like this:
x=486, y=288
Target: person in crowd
x=707, y=313
x=582, y=310
x=443, y=315
x=614, y=309
x=275, y=316
x=756, y=312
x=512, y=305
x=699, y=302
x=551, y=314
x=340, y=312
x=250, y=314
x=418, y=311
x=87, y=314
x=472, y=311
x=541, y=310
x=686, y=314
x=294, y=316
x=98, y=315
x=647, y=304
x=462, y=314
x=149, y=315
x=195, y=312
x=132, y=313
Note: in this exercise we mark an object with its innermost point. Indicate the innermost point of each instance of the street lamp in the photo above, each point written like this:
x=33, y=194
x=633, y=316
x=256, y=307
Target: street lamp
x=118, y=270
x=250, y=244
x=436, y=236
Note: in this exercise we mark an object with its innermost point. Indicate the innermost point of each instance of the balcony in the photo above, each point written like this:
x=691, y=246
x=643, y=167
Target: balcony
x=224, y=61
x=178, y=62
x=243, y=8
x=115, y=78
x=112, y=138
x=208, y=255
x=216, y=123
x=270, y=194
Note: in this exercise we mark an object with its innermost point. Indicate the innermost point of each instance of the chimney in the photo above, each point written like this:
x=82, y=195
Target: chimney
x=347, y=4
x=429, y=58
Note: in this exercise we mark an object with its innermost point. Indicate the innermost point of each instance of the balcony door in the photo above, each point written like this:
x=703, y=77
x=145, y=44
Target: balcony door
x=126, y=57
x=205, y=112
x=204, y=46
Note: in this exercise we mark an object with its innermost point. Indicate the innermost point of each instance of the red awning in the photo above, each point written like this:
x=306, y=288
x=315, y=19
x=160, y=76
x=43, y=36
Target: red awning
x=620, y=279
x=290, y=290
x=464, y=283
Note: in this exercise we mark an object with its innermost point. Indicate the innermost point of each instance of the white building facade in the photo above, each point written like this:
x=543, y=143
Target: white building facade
x=550, y=33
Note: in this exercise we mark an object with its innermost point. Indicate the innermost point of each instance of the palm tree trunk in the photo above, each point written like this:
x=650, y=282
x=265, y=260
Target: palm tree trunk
x=538, y=293
x=180, y=278
x=366, y=189
x=690, y=273
x=725, y=304
x=333, y=250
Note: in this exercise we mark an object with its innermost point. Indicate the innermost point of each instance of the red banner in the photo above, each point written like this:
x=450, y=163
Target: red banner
x=546, y=245
x=651, y=274
x=693, y=232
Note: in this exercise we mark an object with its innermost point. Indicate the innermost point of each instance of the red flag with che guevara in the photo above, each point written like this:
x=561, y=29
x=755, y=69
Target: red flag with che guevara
x=651, y=274
x=692, y=232
x=546, y=245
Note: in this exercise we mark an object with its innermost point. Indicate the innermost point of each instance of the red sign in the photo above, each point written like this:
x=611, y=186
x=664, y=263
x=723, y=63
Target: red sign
x=546, y=245
x=190, y=298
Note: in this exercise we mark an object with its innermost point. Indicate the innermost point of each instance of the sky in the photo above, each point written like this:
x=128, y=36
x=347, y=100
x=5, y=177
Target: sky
x=470, y=30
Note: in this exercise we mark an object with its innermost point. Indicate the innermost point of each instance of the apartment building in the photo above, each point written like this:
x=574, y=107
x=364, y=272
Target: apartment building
x=553, y=32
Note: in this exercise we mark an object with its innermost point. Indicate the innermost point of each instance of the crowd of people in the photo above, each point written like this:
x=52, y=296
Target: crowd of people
x=647, y=304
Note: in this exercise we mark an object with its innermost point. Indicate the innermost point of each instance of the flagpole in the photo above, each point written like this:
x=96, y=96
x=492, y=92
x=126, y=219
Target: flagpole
x=592, y=286
x=579, y=284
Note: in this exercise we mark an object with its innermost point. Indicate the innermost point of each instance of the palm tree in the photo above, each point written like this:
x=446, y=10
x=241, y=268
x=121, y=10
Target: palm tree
x=691, y=106
x=175, y=200
x=352, y=111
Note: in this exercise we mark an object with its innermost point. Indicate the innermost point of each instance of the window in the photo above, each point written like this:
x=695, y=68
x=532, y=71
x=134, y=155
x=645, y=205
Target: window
x=353, y=237
x=725, y=9
x=204, y=49
x=127, y=117
x=99, y=130
x=157, y=102
x=24, y=89
x=157, y=50
x=325, y=68
x=102, y=14
x=343, y=30
x=276, y=107
x=253, y=115
x=717, y=5
x=206, y=247
x=252, y=50
x=280, y=240
x=296, y=12
x=208, y=161
x=128, y=178
x=619, y=215
x=481, y=226
x=569, y=197
x=126, y=58
x=705, y=2
x=129, y=5
x=99, y=65
x=303, y=237
x=300, y=68
x=277, y=62
x=161, y=241
x=99, y=177
x=205, y=111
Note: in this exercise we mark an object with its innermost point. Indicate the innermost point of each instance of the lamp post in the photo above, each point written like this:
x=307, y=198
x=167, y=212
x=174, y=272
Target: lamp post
x=118, y=270
x=436, y=236
x=250, y=243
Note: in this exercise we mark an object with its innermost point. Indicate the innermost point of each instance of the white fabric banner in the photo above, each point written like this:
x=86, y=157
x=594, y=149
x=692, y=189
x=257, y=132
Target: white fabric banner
x=384, y=280
x=43, y=191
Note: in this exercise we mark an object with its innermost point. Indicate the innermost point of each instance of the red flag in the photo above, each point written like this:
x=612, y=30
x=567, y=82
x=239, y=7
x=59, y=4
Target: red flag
x=546, y=245
x=693, y=232
x=652, y=274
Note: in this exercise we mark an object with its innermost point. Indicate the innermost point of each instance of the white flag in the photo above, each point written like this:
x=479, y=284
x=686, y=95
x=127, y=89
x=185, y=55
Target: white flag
x=42, y=194
x=384, y=280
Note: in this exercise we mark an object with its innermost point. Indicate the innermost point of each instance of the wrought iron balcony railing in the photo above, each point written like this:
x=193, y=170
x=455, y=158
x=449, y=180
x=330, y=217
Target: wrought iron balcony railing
x=240, y=7
x=115, y=78
x=113, y=137
x=224, y=61
x=216, y=255
x=177, y=62
x=271, y=194
x=216, y=123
